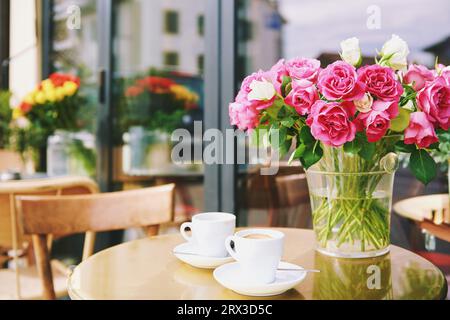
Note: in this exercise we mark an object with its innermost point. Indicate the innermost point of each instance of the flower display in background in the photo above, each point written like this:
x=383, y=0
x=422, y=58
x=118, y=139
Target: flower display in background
x=156, y=102
x=50, y=91
x=52, y=105
x=160, y=85
x=345, y=106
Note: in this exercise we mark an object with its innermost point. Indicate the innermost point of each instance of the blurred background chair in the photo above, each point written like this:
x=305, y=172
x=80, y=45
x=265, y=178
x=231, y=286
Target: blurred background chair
x=280, y=200
x=294, y=204
x=22, y=282
x=42, y=216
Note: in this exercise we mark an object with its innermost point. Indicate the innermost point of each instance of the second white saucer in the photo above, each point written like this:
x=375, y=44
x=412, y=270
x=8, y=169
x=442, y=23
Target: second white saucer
x=230, y=277
x=187, y=252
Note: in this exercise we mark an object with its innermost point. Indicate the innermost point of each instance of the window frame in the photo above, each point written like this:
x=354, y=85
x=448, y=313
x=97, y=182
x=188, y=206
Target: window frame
x=166, y=27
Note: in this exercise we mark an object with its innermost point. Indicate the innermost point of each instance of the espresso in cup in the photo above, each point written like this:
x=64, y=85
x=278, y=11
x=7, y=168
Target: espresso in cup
x=209, y=231
x=258, y=236
x=258, y=252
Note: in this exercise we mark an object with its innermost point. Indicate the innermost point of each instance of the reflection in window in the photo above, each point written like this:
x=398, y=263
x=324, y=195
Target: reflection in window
x=269, y=30
x=75, y=52
x=201, y=25
x=158, y=87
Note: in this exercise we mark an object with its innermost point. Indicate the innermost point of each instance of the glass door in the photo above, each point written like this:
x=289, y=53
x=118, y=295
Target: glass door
x=157, y=87
x=74, y=51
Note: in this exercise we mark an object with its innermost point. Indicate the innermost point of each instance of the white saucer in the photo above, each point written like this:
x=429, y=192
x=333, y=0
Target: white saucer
x=229, y=276
x=198, y=261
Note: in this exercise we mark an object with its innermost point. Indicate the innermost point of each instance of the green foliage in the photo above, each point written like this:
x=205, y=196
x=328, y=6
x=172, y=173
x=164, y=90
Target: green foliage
x=86, y=156
x=400, y=146
x=5, y=118
x=164, y=121
x=312, y=155
x=422, y=166
x=285, y=124
x=368, y=150
x=441, y=153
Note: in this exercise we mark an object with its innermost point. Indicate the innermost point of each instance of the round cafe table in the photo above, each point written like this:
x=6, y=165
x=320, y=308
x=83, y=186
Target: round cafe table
x=146, y=269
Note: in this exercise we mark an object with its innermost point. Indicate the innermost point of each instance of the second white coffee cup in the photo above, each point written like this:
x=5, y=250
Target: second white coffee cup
x=258, y=252
x=209, y=231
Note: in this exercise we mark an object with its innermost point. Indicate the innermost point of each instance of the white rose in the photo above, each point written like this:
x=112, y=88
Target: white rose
x=351, y=52
x=22, y=123
x=261, y=90
x=394, y=53
x=365, y=104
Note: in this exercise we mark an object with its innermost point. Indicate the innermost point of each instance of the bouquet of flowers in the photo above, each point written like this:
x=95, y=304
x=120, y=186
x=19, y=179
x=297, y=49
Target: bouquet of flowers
x=52, y=105
x=158, y=103
x=348, y=120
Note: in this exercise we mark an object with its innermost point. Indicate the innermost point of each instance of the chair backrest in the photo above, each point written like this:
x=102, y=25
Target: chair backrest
x=294, y=202
x=49, y=186
x=44, y=215
x=11, y=236
x=292, y=190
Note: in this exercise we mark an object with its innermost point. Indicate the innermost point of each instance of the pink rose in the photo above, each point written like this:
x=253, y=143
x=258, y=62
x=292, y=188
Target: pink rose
x=376, y=123
x=339, y=81
x=434, y=100
x=330, y=122
x=242, y=95
x=381, y=82
x=242, y=115
x=277, y=72
x=445, y=73
x=303, y=68
x=302, y=96
x=418, y=75
x=420, y=131
x=390, y=107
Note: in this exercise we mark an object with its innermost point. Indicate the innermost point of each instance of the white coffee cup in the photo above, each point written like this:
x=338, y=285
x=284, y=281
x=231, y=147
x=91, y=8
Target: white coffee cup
x=258, y=252
x=209, y=231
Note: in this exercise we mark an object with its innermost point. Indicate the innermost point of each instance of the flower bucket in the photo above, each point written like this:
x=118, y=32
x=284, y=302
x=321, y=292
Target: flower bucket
x=149, y=151
x=350, y=206
x=71, y=153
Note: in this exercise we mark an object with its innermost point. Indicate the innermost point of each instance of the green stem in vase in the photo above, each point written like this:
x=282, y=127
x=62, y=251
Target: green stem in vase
x=352, y=209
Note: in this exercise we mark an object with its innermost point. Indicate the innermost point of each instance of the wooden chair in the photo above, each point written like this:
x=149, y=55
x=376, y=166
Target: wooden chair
x=41, y=216
x=23, y=283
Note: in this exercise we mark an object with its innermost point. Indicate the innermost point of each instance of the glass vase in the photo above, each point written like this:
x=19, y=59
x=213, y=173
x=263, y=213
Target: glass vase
x=351, y=201
x=71, y=153
x=149, y=151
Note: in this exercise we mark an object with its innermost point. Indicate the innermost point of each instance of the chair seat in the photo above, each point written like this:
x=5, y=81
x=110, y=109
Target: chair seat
x=31, y=287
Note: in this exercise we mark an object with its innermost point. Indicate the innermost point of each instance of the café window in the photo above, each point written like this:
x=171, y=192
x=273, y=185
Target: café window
x=171, y=59
x=200, y=63
x=171, y=19
x=201, y=25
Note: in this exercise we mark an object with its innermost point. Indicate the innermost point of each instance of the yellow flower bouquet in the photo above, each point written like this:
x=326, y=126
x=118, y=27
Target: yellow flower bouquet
x=51, y=106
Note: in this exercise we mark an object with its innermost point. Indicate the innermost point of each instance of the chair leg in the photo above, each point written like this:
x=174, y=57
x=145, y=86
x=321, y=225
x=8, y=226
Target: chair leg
x=89, y=242
x=43, y=265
